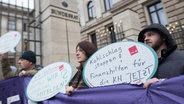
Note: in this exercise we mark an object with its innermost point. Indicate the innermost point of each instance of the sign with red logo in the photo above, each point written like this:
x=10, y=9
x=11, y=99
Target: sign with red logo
x=9, y=41
x=49, y=81
x=121, y=62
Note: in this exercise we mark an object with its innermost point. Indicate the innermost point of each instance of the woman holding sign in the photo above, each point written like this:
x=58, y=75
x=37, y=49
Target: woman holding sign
x=84, y=50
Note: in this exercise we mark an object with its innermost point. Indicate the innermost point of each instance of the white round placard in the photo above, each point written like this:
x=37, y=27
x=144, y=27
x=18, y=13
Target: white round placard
x=121, y=62
x=9, y=41
x=49, y=81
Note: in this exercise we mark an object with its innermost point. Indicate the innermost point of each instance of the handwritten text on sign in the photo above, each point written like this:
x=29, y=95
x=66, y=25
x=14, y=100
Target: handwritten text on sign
x=49, y=81
x=122, y=62
x=9, y=41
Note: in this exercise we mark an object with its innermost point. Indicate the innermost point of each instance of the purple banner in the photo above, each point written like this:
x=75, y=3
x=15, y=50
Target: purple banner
x=12, y=90
x=170, y=91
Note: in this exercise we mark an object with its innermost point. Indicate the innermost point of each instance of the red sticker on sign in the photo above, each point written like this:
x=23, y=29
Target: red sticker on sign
x=133, y=50
x=61, y=67
x=15, y=35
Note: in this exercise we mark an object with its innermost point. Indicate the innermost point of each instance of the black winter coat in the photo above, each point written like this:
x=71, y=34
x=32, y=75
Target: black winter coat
x=171, y=66
x=171, y=63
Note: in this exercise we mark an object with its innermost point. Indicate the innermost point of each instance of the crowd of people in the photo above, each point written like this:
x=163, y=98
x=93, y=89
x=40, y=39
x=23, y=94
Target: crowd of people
x=155, y=35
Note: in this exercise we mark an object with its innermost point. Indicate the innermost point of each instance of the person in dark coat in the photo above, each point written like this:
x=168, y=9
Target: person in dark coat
x=170, y=58
x=27, y=64
x=84, y=50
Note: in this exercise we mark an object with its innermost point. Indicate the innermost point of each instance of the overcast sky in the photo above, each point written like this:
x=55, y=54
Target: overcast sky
x=23, y=3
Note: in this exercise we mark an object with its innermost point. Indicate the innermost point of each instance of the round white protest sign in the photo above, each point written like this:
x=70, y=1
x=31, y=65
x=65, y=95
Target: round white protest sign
x=49, y=81
x=9, y=41
x=121, y=62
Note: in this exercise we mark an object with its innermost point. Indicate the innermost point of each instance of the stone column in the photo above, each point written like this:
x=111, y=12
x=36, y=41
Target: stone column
x=60, y=30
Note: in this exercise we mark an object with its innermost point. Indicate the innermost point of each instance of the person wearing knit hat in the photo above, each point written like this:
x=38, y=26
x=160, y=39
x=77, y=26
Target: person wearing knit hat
x=27, y=63
x=158, y=37
x=30, y=56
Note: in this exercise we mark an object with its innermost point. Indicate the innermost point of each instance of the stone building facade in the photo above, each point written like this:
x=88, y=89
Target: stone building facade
x=54, y=27
x=106, y=21
x=51, y=30
x=60, y=29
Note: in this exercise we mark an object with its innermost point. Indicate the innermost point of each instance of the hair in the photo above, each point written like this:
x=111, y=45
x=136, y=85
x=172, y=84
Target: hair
x=87, y=47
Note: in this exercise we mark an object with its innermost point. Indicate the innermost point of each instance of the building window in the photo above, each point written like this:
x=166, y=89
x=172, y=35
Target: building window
x=93, y=38
x=112, y=34
x=91, y=12
x=157, y=14
x=11, y=25
x=106, y=36
x=24, y=27
x=108, y=4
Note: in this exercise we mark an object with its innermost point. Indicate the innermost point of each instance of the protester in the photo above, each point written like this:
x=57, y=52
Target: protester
x=84, y=50
x=170, y=58
x=27, y=64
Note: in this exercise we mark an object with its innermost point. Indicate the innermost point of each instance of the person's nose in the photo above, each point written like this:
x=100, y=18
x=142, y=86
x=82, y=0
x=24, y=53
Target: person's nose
x=146, y=38
x=19, y=62
x=77, y=53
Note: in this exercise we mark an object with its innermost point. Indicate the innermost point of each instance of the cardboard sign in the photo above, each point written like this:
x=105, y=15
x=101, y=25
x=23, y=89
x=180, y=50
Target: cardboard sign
x=9, y=41
x=121, y=62
x=49, y=81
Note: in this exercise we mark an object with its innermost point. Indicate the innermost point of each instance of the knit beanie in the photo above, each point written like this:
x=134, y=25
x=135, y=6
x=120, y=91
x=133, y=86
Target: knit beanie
x=29, y=55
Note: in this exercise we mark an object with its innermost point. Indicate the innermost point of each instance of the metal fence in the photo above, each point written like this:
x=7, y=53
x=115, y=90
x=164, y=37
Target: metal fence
x=21, y=18
x=111, y=35
x=177, y=31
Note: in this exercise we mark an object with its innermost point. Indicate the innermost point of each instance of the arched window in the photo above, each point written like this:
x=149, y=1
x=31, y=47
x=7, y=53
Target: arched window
x=91, y=12
x=108, y=4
